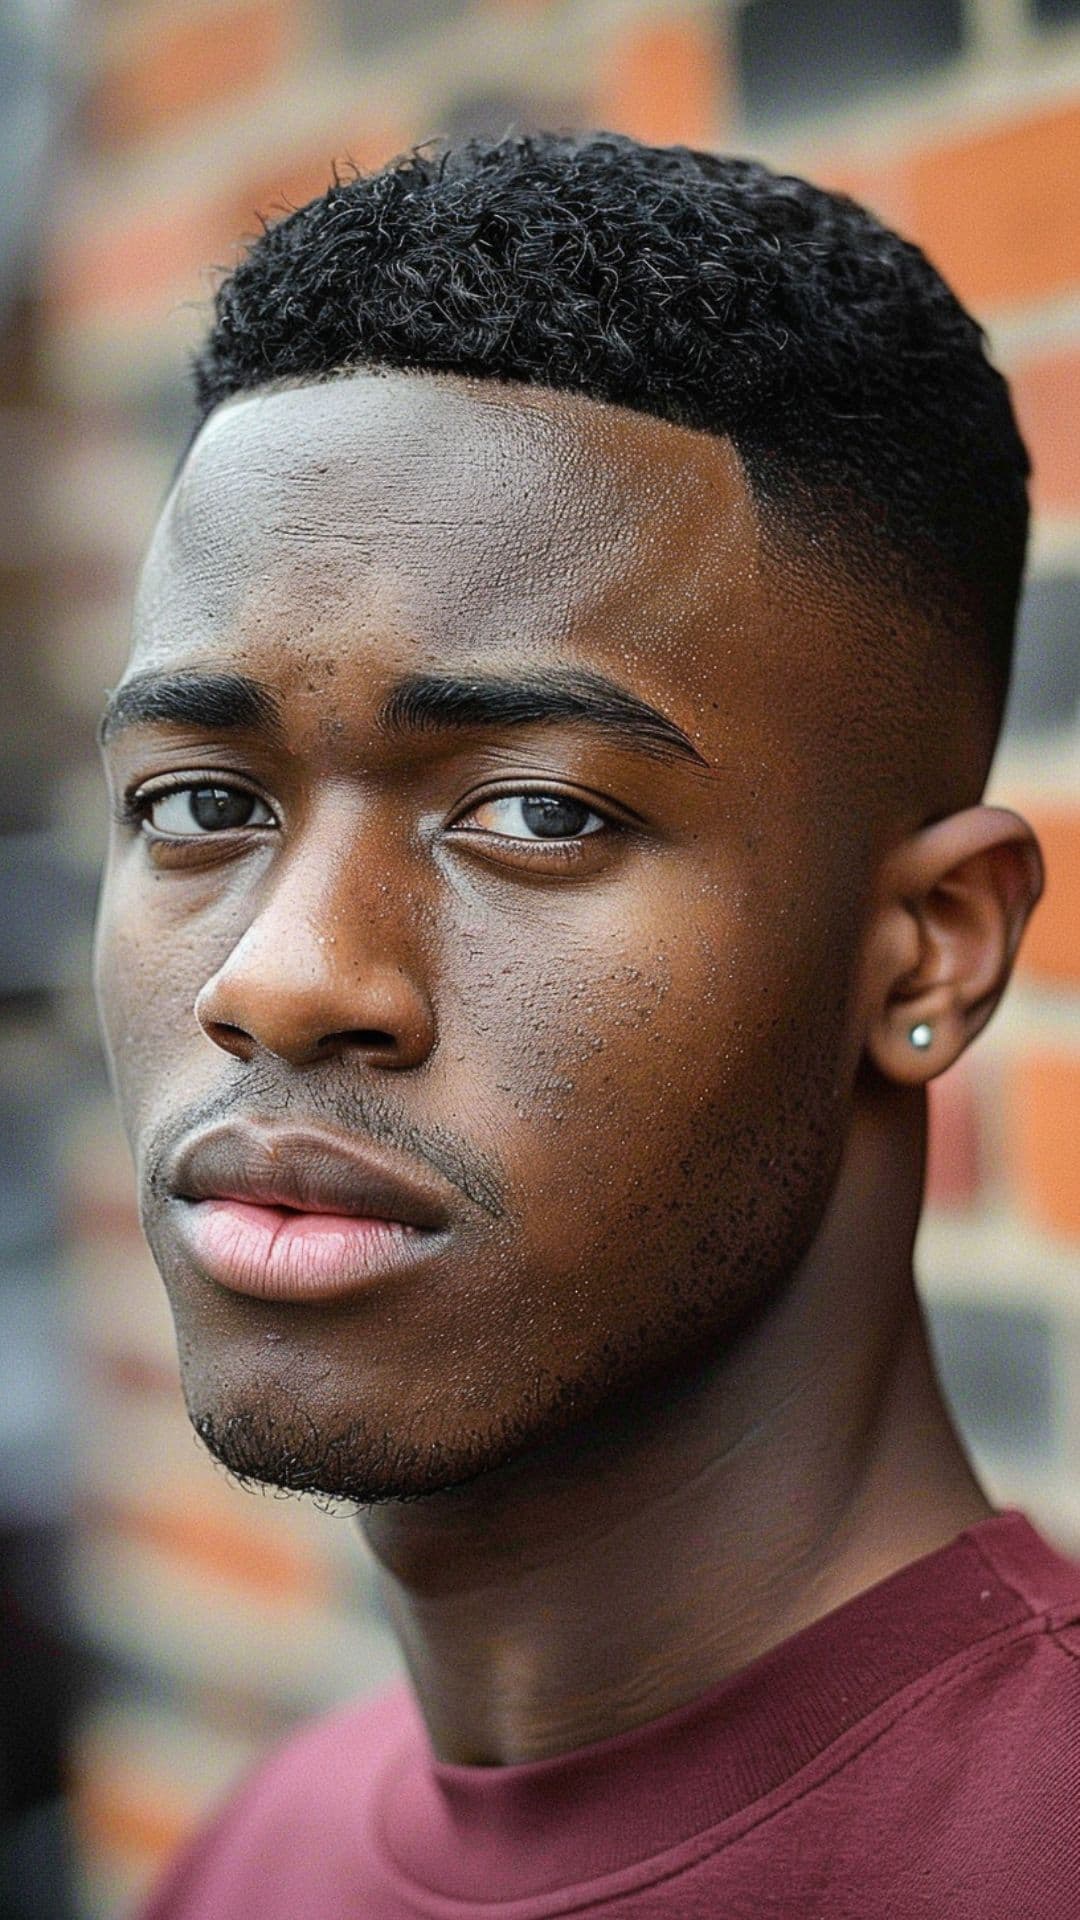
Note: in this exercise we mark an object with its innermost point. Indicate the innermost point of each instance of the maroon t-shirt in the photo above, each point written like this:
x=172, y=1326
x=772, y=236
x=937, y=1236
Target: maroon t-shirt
x=913, y=1755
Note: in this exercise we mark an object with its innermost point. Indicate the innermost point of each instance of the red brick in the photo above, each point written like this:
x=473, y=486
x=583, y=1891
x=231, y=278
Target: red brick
x=1041, y=1109
x=999, y=211
x=954, y=1159
x=1046, y=393
x=117, y=273
x=120, y=1813
x=176, y=66
x=879, y=186
x=1051, y=949
x=662, y=80
x=216, y=1541
x=300, y=177
x=137, y=270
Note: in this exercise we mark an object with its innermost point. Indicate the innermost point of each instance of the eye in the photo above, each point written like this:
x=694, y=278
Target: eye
x=536, y=816
x=187, y=812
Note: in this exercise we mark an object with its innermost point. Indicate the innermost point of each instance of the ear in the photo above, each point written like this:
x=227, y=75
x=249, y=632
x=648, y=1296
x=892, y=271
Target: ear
x=952, y=904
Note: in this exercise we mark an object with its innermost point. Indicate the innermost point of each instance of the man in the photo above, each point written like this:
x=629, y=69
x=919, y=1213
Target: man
x=549, y=868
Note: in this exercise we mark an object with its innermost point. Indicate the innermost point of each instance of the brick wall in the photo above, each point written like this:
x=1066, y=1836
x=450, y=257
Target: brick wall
x=216, y=1619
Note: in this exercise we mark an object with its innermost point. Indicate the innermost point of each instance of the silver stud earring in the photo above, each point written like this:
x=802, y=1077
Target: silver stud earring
x=921, y=1036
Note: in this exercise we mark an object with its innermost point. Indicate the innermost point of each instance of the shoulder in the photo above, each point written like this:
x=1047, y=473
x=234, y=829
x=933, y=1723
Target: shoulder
x=299, y=1828
x=337, y=1756
x=1027, y=1683
x=1013, y=1692
x=979, y=1759
x=999, y=1739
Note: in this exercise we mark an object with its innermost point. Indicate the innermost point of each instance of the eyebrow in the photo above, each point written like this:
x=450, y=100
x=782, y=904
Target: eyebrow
x=437, y=703
x=421, y=703
x=217, y=701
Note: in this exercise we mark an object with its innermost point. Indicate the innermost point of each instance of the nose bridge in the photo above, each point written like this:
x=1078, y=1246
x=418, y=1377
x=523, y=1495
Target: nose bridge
x=333, y=883
x=330, y=954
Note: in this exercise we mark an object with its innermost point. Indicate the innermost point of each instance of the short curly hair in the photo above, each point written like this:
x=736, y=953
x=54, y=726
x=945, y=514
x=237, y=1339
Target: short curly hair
x=703, y=289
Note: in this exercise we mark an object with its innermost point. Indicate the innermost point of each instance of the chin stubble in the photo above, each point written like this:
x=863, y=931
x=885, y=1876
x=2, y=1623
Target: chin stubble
x=360, y=1465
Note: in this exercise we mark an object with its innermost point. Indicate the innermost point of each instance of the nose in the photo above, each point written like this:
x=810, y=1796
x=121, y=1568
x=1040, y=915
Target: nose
x=322, y=970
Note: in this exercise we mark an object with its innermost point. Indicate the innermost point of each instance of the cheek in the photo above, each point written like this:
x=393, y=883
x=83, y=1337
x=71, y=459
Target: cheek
x=631, y=998
x=122, y=961
x=661, y=1088
x=576, y=1036
x=148, y=968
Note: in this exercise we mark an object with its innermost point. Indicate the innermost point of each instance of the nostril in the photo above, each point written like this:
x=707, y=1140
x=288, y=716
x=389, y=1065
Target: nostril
x=372, y=1039
x=232, y=1039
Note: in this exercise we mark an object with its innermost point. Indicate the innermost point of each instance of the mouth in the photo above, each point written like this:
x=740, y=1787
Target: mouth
x=291, y=1215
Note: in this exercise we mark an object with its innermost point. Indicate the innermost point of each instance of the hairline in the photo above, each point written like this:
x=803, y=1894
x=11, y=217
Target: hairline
x=798, y=525
x=788, y=519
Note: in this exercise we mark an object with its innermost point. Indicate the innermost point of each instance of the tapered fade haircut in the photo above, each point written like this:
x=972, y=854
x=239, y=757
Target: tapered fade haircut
x=705, y=290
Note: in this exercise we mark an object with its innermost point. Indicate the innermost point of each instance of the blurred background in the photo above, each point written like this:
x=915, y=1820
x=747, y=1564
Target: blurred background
x=157, y=1627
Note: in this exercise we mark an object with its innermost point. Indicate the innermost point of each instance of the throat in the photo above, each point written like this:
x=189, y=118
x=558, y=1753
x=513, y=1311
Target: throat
x=575, y=1596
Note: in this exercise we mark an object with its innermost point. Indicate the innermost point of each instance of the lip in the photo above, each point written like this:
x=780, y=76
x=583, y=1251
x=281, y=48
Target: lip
x=297, y=1214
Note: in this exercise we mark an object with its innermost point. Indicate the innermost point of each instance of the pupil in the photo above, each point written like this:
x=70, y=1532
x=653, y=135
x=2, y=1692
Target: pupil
x=554, y=818
x=220, y=807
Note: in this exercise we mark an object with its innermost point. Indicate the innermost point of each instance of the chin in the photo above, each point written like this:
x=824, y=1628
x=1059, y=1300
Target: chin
x=360, y=1462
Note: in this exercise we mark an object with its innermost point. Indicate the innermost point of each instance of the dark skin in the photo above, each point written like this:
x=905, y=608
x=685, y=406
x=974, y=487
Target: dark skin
x=662, y=1395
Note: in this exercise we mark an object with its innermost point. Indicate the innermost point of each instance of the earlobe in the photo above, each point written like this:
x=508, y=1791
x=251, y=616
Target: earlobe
x=953, y=903
x=910, y=1046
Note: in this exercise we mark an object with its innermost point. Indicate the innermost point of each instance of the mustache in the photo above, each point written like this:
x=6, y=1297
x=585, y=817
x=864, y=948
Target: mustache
x=360, y=1115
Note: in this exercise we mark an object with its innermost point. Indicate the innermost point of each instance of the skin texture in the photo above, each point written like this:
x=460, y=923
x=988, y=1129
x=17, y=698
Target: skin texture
x=666, y=1369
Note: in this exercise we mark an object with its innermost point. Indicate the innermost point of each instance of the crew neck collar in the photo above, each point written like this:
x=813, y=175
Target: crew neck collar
x=528, y=1832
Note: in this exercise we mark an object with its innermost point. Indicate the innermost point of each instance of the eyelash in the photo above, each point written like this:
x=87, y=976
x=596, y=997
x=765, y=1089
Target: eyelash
x=134, y=809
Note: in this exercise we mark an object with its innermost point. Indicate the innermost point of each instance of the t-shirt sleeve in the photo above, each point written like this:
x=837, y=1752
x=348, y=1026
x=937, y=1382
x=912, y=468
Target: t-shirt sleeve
x=295, y=1840
x=217, y=1873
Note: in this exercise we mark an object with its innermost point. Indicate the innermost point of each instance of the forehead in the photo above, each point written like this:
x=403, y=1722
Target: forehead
x=446, y=518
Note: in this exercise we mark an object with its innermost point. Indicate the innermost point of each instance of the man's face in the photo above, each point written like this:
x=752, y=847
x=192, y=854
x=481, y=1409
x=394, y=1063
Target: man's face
x=587, y=978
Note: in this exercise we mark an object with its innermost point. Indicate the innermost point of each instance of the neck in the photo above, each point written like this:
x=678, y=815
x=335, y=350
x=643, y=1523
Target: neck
x=621, y=1571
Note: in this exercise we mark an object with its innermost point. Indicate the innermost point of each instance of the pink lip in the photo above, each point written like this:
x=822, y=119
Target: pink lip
x=276, y=1253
